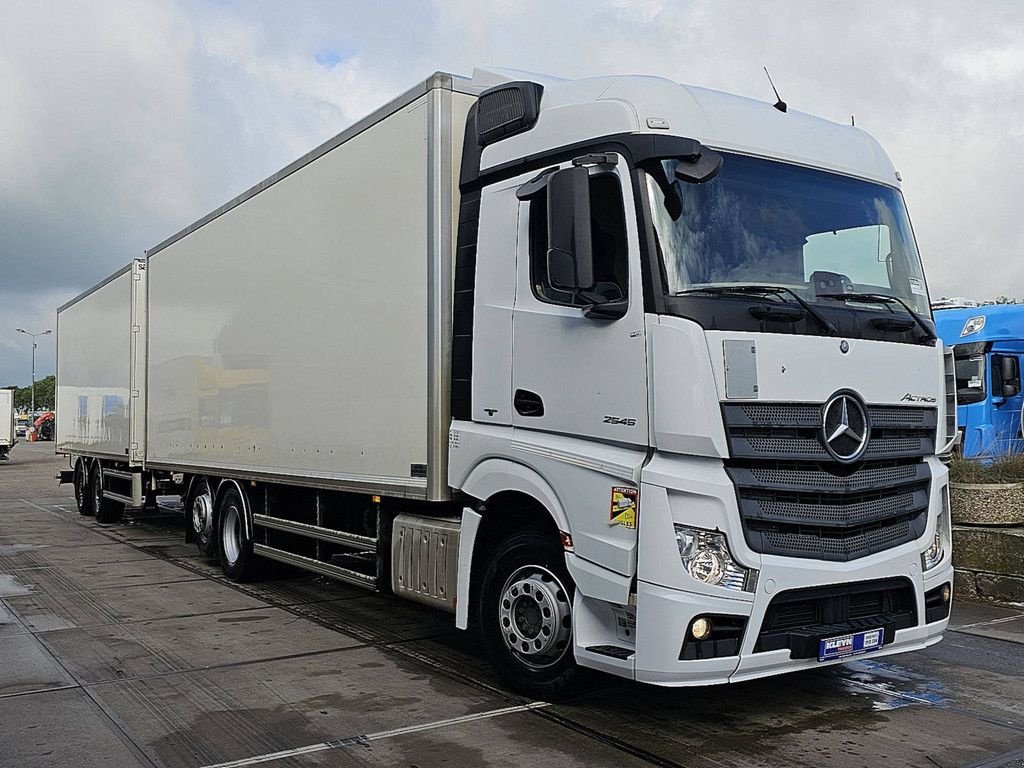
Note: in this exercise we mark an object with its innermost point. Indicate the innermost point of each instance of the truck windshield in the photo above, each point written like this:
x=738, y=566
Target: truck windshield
x=761, y=222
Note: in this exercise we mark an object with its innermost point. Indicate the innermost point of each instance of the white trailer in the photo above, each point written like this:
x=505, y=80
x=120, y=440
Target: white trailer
x=634, y=375
x=100, y=392
x=7, y=433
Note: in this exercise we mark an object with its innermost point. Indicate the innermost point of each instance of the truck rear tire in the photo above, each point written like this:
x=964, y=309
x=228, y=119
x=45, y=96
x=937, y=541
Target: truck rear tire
x=525, y=614
x=236, y=556
x=107, y=510
x=83, y=494
x=201, y=517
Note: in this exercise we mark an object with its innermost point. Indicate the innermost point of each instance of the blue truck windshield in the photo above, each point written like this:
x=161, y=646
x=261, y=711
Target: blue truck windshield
x=761, y=222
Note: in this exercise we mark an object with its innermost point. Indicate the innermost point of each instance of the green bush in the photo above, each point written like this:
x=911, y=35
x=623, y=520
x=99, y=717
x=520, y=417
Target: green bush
x=1002, y=469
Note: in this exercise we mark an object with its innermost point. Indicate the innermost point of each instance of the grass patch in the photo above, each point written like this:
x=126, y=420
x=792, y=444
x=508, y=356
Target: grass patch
x=1002, y=469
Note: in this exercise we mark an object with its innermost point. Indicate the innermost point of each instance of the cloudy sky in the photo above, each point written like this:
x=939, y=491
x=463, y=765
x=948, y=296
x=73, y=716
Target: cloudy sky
x=122, y=122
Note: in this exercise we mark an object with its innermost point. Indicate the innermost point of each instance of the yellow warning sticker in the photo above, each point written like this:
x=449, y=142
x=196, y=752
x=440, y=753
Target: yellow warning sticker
x=623, y=510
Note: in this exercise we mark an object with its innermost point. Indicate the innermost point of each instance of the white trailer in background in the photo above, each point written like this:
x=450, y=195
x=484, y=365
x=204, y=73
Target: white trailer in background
x=101, y=392
x=634, y=375
x=7, y=435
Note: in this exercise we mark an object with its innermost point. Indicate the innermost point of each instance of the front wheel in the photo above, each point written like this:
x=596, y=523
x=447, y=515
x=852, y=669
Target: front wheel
x=525, y=615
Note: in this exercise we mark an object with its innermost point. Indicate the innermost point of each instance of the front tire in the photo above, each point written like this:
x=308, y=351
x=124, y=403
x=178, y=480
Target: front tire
x=107, y=510
x=83, y=494
x=525, y=613
x=236, y=556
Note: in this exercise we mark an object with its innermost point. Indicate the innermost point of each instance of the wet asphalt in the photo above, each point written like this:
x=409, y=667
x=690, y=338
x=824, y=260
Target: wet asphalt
x=121, y=646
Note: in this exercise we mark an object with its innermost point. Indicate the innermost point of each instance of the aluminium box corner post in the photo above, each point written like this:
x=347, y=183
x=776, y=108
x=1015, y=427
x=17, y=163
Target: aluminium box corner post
x=439, y=287
x=137, y=387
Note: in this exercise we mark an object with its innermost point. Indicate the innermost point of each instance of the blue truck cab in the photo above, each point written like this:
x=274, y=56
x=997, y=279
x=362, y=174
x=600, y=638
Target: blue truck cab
x=988, y=343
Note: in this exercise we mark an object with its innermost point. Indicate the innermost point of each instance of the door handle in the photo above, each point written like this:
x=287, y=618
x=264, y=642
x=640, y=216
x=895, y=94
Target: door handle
x=528, y=403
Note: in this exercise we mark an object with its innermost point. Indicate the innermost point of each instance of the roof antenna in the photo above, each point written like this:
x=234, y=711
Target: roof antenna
x=780, y=104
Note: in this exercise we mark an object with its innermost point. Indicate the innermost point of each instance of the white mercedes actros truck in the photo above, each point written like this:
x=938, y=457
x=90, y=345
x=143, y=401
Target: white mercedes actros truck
x=628, y=374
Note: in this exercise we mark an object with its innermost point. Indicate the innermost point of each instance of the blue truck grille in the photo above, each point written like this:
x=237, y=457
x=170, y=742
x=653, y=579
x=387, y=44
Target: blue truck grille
x=796, y=501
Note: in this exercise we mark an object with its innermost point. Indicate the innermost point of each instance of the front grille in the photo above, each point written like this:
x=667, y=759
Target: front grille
x=795, y=500
x=799, y=619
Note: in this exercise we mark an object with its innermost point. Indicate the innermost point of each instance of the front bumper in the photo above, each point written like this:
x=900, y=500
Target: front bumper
x=664, y=616
x=698, y=492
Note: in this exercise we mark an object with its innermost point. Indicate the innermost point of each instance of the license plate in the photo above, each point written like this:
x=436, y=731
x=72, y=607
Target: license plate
x=850, y=645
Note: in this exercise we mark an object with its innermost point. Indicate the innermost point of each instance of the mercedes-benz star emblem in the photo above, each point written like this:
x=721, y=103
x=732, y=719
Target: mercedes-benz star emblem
x=845, y=427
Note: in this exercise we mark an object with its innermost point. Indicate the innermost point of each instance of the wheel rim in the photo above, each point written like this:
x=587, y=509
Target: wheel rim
x=202, y=512
x=231, y=538
x=535, y=616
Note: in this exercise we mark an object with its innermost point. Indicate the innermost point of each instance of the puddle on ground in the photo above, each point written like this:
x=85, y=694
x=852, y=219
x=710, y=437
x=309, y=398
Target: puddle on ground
x=892, y=686
x=11, y=587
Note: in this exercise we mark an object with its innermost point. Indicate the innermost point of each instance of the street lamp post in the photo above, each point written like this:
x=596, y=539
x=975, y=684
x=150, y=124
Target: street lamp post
x=34, y=345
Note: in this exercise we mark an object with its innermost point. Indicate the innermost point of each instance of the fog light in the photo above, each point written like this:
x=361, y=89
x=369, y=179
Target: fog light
x=946, y=593
x=700, y=628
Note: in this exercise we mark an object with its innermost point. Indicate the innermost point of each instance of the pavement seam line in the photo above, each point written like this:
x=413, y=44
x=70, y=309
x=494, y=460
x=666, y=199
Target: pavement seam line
x=379, y=735
x=990, y=622
x=43, y=509
x=39, y=690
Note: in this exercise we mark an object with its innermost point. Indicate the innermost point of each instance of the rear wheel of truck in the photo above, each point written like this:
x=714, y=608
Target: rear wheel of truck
x=236, y=556
x=525, y=613
x=106, y=510
x=202, y=518
x=83, y=495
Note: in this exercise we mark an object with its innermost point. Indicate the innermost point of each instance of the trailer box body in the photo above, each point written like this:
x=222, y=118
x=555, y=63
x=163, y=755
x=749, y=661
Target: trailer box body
x=303, y=330
x=101, y=369
x=6, y=420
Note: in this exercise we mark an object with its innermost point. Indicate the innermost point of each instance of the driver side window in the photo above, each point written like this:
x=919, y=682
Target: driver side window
x=608, y=237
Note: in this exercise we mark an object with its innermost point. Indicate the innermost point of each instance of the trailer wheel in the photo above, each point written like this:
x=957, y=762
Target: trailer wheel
x=83, y=494
x=526, y=615
x=106, y=510
x=202, y=518
x=236, y=556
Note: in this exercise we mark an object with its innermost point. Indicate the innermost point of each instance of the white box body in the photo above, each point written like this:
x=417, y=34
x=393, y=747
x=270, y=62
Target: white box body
x=6, y=418
x=302, y=332
x=101, y=369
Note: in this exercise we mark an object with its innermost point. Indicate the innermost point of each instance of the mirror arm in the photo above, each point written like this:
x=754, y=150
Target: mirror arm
x=607, y=310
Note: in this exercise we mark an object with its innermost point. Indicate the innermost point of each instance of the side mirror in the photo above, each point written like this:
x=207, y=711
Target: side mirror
x=570, y=253
x=1010, y=370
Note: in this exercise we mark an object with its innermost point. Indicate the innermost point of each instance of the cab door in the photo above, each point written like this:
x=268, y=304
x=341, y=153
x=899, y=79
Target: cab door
x=579, y=383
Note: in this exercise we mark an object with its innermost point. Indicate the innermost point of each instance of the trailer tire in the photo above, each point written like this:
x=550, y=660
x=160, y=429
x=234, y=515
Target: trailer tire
x=106, y=510
x=237, y=559
x=525, y=615
x=83, y=492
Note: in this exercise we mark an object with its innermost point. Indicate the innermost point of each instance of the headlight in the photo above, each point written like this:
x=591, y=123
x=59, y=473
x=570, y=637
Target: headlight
x=706, y=557
x=936, y=551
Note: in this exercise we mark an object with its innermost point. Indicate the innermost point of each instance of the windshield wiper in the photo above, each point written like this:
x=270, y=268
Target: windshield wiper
x=883, y=298
x=764, y=290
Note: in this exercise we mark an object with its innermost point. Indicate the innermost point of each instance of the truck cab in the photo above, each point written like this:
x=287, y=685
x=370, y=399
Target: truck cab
x=711, y=358
x=988, y=343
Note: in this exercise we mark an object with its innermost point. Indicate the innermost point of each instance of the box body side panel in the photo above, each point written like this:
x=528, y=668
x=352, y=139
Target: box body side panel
x=94, y=371
x=6, y=417
x=287, y=337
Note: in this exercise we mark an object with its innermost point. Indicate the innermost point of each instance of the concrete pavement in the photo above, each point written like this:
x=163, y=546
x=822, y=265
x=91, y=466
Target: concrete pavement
x=121, y=646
